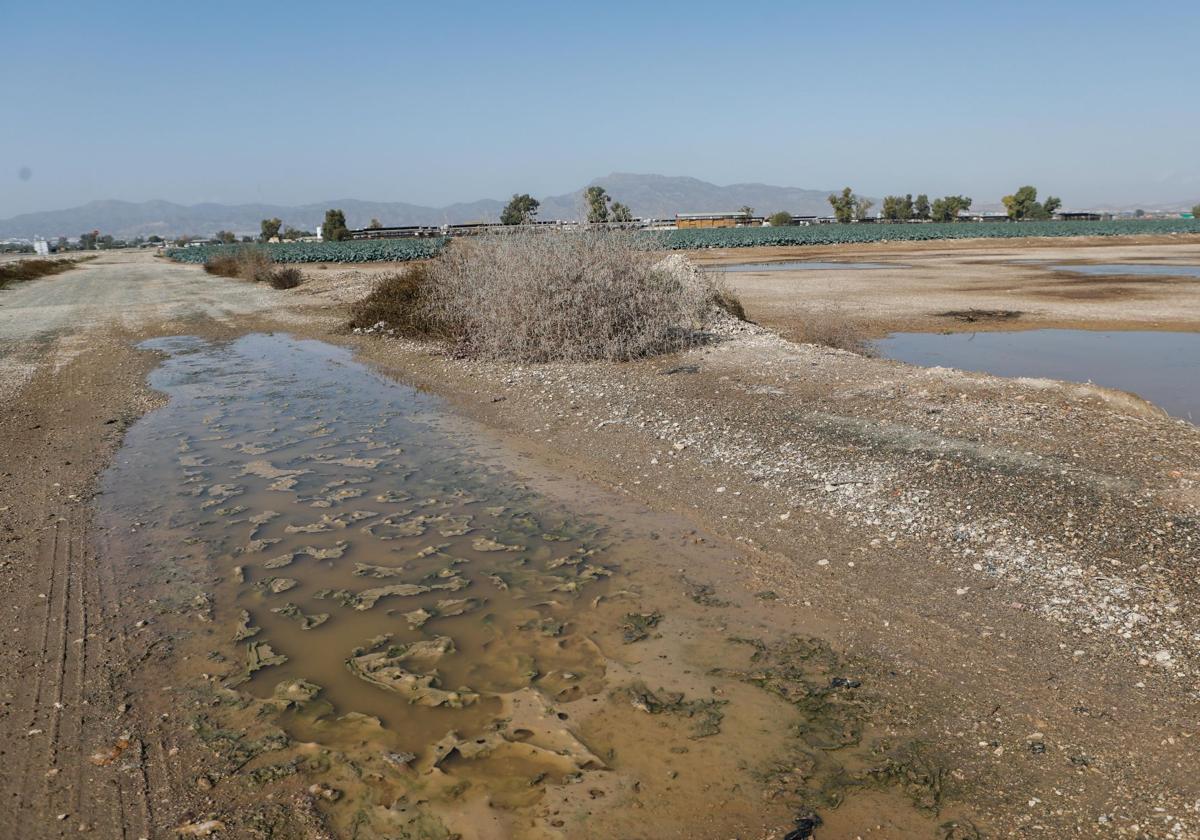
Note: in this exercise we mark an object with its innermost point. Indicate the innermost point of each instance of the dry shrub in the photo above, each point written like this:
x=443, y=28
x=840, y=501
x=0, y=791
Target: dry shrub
x=285, y=278
x=247, y=263
x=401, y=302
x=222, y=265
x=540, y=297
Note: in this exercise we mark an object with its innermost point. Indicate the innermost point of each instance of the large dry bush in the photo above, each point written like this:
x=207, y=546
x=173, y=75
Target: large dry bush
x=539, y=297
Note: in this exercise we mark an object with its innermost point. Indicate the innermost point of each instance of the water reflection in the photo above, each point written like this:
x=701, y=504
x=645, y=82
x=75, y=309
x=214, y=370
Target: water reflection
x=1162, y=367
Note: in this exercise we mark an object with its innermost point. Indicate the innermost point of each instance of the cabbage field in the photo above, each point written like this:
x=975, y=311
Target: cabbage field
x=835, y=234
x=399, y=250
x=375, y=250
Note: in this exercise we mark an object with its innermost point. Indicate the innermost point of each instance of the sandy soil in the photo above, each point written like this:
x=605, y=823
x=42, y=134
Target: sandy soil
x=924, y=281
x=1011, y=562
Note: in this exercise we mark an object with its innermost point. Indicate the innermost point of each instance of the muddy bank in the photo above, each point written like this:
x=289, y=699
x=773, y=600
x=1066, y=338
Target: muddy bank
x=370, y=602
x=944, y=524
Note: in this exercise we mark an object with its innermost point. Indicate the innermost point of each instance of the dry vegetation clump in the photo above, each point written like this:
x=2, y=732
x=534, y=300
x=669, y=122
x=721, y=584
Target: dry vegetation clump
x=401, y=303
x=21, y=270
x=253, y=264
x=285, y=278
x=541, y=297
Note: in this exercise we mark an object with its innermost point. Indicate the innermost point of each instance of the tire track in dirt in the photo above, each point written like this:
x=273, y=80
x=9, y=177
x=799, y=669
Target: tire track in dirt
x=71, y=383
x=63, y=648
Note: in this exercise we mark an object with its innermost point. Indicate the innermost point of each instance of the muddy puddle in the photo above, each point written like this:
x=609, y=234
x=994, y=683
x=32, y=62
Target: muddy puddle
x=362, y=602
x=800, y=265
x=1162, y=367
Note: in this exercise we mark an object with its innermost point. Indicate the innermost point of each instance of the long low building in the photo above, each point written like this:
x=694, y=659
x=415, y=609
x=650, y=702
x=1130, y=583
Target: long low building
x=715, y=220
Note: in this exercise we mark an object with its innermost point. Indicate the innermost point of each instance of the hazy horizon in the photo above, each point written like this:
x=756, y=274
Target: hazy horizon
x=240, y=105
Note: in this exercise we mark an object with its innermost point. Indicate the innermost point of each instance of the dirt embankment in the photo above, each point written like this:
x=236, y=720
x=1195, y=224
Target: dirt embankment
x=1011, y=563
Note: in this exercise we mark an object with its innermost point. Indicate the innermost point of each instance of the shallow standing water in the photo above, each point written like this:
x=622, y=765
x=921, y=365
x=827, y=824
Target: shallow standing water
x=1162, y=367
x=367, y=605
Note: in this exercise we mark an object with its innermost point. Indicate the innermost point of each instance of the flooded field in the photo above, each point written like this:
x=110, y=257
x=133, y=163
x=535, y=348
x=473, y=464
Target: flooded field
x=1162, y=367
x=799, y=265
x=371, y=609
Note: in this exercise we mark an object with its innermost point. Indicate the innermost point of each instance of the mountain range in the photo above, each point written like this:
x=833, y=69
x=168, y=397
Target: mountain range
x=648, y=196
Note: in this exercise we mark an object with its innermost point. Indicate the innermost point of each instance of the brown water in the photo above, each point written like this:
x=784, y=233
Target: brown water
x=445, y=651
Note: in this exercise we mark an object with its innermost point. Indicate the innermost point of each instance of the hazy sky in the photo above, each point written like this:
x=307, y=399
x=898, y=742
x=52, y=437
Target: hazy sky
x=433, y=103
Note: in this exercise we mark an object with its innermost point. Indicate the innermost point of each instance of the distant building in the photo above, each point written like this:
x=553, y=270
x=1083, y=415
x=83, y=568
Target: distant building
x=983, y=217
x=714, y=220
x=1079, y=216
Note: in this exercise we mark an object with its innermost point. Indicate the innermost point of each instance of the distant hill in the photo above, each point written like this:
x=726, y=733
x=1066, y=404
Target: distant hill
x=657, y=196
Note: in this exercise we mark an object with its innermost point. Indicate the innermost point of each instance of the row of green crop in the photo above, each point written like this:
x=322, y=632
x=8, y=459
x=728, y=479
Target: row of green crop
x=375, y=250
x=841, y=234
x=400, y=250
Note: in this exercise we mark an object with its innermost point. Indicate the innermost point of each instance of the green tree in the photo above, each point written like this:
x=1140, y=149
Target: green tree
x=620, y=213
x=1138, y=213
x=843, y=205
x=269, y=229
x=898, y=208
x=921, y=208
x=334, y=229
x=1196, y=211
x=947, y=208
x=375, y=224
x=87, y=241
x=290, y=232
x=862, y=206
x=155, y=238
x=781, y=219
x=226, y=237
x=747, y=211
x=1023, y=204
x=597, y=202
x=520, y=210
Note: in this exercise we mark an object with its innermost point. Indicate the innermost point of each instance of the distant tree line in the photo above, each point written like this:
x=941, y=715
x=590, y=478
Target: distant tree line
x=849, y=207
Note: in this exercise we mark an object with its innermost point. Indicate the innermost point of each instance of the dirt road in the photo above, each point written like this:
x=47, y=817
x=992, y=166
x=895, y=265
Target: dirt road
x=124, y=290
x=1009, y=565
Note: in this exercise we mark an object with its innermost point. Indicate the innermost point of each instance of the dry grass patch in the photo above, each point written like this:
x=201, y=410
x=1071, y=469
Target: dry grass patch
x=255, y=265
x=20, y=271
x=832, y=328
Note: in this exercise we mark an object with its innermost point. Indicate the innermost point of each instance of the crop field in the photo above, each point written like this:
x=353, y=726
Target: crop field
x=379, y=250
x=401, y=250
x=853, y=233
